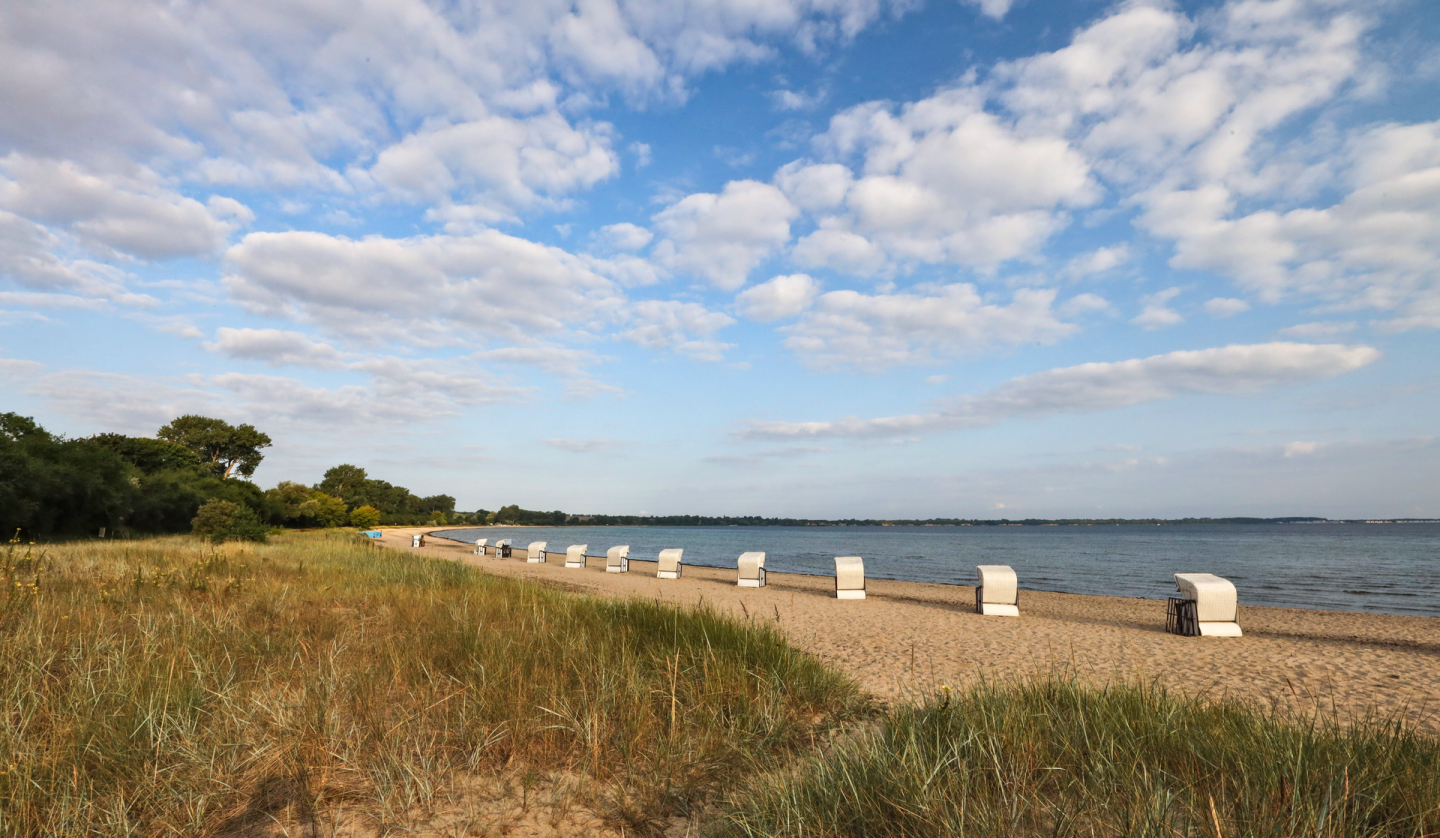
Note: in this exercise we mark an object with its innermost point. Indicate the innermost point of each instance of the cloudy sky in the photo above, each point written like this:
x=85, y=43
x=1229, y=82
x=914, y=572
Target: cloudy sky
x=780, y=257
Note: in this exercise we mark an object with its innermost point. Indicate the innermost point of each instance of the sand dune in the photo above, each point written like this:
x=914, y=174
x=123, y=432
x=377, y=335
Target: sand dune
x=910, y=637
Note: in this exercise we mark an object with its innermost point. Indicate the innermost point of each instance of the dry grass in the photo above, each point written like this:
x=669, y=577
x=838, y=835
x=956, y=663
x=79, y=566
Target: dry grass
x=317, y=685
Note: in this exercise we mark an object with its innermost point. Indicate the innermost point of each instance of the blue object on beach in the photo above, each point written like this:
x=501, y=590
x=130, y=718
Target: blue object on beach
x=372, y=533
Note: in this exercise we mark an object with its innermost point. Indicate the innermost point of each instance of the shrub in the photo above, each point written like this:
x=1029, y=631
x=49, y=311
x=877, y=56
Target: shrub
x=221, y=520
x=365, y=517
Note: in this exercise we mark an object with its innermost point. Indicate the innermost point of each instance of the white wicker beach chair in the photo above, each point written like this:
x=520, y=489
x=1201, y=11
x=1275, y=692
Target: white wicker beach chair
x=480, y=546
x=1207, y=606
x=998, y=593
x=502, y=548
x=575, y=555
x=752, y=570
x=669, y=563
x=849, y=577
x=536, y=553
x=417, y=540
x=617, y=559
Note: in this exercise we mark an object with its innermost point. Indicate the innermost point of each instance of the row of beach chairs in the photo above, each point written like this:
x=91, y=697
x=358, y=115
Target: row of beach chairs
x=1207, y=605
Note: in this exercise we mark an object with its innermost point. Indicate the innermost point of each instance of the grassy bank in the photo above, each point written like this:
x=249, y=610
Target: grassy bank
x=1056, y=759
x=169, y=687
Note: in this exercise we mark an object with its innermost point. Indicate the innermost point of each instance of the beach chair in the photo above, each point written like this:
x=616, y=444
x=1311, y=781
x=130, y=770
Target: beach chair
x=575, y=555
x=536, y=553
x=502, y=548
x=752, y=570
x=669, y=563
x=417, y=541
x=617, y=559
x=480, y=546
x=849, y=577
x=1207, y=607
x=998, y=594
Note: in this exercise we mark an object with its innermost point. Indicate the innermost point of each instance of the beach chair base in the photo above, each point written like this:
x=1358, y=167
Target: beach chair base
x=668, y=574
x=993, y=609
x=752, y=583
x=624, y=568
x=1180, y=618
x=575, y=564
x=540, y=560
x=849, y=594
x=1220, y=630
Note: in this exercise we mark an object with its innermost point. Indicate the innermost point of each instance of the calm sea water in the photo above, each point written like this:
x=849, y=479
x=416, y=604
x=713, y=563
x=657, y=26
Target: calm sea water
x=1388, y=568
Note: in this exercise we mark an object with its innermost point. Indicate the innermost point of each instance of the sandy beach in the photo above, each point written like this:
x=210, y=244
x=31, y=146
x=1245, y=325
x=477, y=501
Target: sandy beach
x=909, y=638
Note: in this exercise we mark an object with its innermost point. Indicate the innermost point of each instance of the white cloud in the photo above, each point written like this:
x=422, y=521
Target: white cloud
x=724, y=237
x=275, y=347
x=935, y=380
x=1155, y=313
x=422, y=290
x=778, y=299
x=1225, y=307
x=586, y=446
x=1321, y=329
x=677, y=326
x=625, y=236
x=872, y=332
x=1300, y=449
x=1102, y=386
x=995, y=9
x=1082, y=304
x=1099, y=260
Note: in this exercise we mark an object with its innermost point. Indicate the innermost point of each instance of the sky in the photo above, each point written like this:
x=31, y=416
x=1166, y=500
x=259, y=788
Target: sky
x=822, y=258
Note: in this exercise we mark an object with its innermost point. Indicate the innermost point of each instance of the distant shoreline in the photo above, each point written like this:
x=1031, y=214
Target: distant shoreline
x=722, y=521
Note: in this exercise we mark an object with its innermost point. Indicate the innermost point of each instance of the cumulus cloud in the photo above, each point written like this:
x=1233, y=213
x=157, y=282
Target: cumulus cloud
x=625, y=236
x=876, y=331
x=677, y=326
x=1155, y=312
x=1101, y=386
x=1097, y=261
x=275, y=347
x=780, y=298
x=425, y=289
x=1225, y=307
x=722, y=238
x=1319, y=329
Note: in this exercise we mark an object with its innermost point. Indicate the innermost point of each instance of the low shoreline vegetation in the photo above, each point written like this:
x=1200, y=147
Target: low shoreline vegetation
x=1054, y=758
x=173, y=687
x=321, y=685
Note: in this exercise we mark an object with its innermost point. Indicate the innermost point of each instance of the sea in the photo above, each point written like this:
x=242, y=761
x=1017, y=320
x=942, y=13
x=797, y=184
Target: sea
x=1382, y=568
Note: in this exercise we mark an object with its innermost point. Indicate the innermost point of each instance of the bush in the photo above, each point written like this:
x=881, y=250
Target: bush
x=365, y=517
x=221, y=520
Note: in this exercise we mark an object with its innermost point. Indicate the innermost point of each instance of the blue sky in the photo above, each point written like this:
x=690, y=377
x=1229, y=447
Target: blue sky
x=822, y=258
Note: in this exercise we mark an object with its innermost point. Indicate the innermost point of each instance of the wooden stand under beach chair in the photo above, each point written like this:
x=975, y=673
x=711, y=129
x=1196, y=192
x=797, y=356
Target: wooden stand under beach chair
x=669, y=563
x=536, y=553
x=480, y=546
x=998, y=594
x=1208, y=606
x=752, y=570
x=849, y=577
x=575, y=555
x=617, y=559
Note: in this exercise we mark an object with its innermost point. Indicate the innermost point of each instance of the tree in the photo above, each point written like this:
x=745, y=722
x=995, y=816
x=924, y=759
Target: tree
x=365, y=517
x=221, y=520
x=325, y=510
x=289, y=497
x=344, y=481
x=149, y=455
x=231, y=450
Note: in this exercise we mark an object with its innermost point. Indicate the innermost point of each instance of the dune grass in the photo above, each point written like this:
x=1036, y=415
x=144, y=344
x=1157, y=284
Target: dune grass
x=1055, y=758
x=168, y=687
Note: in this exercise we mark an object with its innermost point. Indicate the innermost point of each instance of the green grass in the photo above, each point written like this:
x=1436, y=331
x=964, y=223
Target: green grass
x=1058, y=759
x=166, y=687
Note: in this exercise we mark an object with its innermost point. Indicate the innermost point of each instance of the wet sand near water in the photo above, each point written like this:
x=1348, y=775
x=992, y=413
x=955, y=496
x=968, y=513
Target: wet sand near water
x=909, y=638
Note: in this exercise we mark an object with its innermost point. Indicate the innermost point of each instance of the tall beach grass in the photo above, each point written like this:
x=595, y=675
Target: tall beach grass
x=1054, y=758
x=168, y=687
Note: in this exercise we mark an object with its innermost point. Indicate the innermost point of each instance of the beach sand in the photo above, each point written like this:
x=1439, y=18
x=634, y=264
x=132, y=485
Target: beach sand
x=910, y=638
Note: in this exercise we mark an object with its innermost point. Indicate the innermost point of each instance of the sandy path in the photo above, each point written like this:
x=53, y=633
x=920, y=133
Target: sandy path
x=911, y=637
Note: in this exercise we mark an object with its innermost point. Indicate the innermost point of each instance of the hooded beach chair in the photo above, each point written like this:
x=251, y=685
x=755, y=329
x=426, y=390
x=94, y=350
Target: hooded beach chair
x=752, y=570
x=417, y=540
x=849, y=577
x=998, y=593
x=575, y=555
x=536, y=553
x=617, y=559
x=669, y=563
x=480, y=546
x=1207, y=607
x=502, y=548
